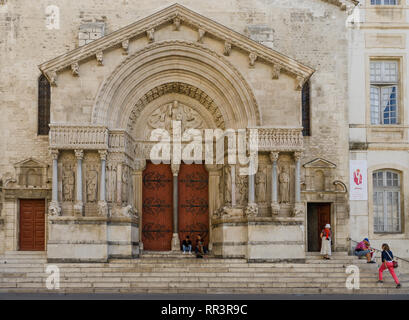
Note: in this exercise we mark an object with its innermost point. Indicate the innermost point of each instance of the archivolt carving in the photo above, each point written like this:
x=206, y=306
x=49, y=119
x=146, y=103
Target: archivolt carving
x=176, y=87
x=242, y=103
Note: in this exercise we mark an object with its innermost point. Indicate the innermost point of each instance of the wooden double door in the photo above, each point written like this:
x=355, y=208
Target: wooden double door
x=32, y=225
x=318, y=215
x=157, y=205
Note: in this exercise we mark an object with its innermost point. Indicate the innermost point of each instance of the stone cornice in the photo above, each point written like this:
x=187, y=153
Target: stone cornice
x=166, y=16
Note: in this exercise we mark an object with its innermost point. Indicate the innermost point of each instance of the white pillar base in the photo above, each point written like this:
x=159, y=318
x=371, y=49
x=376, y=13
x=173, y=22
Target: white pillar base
x=79, y=209
x=175, y=242
x=275, y=208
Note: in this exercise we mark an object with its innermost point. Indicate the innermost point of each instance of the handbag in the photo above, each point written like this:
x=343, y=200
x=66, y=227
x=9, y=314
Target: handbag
x=395, y=263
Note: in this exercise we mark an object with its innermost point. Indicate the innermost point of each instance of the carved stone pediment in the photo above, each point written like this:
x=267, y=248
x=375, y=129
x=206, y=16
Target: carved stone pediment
x=183, y=16
x=31, y=173
x=320, y=163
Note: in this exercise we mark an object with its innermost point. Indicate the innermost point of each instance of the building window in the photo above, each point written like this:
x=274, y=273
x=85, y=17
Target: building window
x=384, y=92
x=44, y=94
x=305, y=96
x=386, y=201
x=384, y=2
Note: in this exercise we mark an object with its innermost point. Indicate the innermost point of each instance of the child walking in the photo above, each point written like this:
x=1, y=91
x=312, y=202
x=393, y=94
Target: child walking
x=387, y=263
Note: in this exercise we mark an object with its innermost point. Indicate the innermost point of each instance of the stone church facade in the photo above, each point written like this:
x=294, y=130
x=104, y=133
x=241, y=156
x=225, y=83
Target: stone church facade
x=83, y=86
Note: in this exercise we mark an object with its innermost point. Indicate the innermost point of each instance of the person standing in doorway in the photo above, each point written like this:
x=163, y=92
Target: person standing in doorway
x=326, y=235
x=387, y=263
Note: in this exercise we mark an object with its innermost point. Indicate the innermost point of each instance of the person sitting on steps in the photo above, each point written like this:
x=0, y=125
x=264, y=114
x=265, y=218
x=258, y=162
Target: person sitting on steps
x=363, y=249
x=200, y=248
x=187, y=245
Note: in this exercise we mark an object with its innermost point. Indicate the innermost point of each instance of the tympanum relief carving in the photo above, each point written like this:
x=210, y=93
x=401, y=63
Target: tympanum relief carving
x=163, y=116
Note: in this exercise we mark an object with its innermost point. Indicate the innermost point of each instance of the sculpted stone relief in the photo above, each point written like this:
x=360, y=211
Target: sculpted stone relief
x=111, y=174
x=92, y=184
x=284, y=180
x=241, y=189
x=125, y=184
x=162, y=117
x=261, y=185
x=227, y=184
x=68, y=182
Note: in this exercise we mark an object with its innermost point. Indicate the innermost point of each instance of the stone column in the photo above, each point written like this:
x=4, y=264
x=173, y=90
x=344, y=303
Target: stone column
x=140, y=166
x=54, y=207
x=102, y=204
x=252, y=208
x=175, y=237
x=79, y=205
x=275, y=206
x=298, y=206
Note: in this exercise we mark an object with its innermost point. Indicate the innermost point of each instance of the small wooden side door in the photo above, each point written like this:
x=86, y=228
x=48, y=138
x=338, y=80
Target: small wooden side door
x=32, y=225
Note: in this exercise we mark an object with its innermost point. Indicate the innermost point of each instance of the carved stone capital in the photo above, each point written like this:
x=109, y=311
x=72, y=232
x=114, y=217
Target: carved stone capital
x=213, y=167
x=103, y=154
x=54, y=153
x=102, y=209
x=200, y=35
x=100, y=58
x=75, y=69
x=151, y=35
x=274, y=156
x=140, y=164
x=175, y=169
x=252, y=59
x=79, y=154
x=251, y=210
x=297, y=155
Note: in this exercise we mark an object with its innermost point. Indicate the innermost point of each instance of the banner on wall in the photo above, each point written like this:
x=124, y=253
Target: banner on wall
x=358, y=180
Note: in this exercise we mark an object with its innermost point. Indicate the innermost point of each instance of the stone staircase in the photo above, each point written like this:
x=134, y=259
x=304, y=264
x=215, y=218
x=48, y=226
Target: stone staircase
x=178, y=273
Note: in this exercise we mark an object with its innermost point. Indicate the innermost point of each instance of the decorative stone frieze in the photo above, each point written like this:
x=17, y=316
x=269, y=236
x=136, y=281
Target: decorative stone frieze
x=78, y=137
x=280, y=139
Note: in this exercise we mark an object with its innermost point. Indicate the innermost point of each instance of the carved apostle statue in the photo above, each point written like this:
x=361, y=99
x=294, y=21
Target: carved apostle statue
x=227, y=184
x=284, y=180
x=68, y=182
x=261, y=185
x=92, y=182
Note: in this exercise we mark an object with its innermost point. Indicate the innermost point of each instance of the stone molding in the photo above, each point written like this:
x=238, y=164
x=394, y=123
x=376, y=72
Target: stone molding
x=115, y=98
x=90, y=137
x=280, y=139
x=168, y=16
